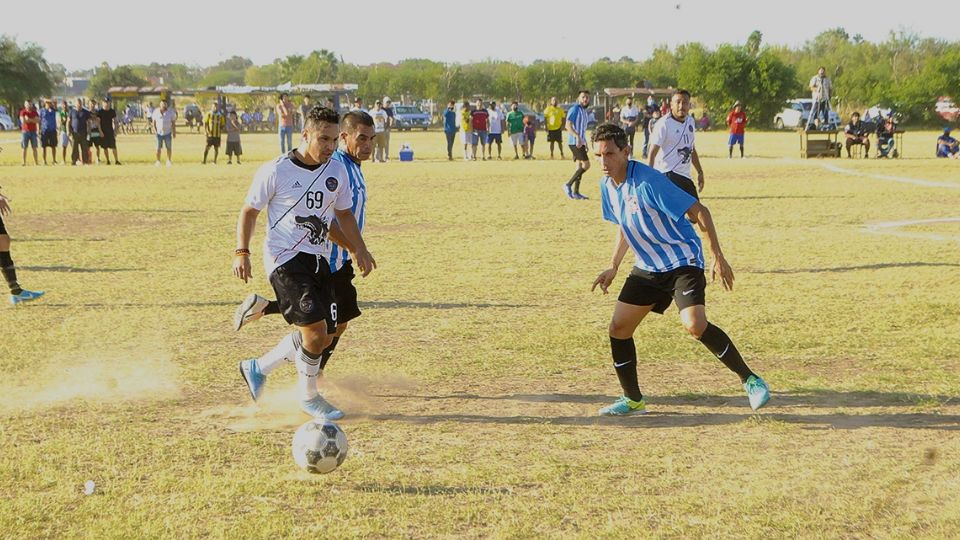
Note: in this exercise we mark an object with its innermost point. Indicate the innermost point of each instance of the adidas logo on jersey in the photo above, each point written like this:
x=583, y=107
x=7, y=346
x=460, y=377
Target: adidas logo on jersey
x=297, y=184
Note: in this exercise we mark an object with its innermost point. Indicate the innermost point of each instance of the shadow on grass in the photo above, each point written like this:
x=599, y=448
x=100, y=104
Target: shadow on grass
x=769, y=197
x=400, y=304
x=430, y=490
x=132, y=304
x=74, y=269
x=20, y=240
x=878, y=266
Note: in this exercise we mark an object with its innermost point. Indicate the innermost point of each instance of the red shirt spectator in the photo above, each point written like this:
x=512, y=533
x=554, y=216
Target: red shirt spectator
x=479, y=119
x=29, y=120
x=737, y=120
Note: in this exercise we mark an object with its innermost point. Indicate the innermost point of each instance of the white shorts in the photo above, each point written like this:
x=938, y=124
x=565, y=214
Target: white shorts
x=466, y=137
x=517, y=139
x=64, y=139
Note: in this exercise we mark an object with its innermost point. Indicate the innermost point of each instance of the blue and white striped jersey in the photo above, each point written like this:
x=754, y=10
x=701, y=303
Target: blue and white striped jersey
x=578, y=116
x=650, y=211
x=358, y=188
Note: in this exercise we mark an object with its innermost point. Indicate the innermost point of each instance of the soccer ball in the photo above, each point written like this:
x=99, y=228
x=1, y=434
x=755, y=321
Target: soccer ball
x=319, y=446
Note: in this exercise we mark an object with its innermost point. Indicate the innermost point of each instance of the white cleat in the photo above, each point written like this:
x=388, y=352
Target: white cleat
x=250, y=310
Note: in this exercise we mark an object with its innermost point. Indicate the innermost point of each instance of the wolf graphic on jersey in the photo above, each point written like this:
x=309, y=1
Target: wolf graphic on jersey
x=684, y=154
x=317, y=228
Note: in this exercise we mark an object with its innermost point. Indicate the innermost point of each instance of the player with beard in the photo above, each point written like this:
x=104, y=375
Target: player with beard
x=357, y=135
x=303, y=192
x=672, y=148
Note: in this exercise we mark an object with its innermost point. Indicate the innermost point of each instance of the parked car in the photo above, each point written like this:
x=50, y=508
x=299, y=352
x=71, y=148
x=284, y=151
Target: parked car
x=796, y=113
x=6, y=123
x=947, y=109
x=407, y=117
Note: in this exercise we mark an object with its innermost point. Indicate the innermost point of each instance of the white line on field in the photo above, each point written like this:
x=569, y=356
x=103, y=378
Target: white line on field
x=901, y=179
x=891, y=228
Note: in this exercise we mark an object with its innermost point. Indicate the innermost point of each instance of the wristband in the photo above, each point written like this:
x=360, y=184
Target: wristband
x=241, y=251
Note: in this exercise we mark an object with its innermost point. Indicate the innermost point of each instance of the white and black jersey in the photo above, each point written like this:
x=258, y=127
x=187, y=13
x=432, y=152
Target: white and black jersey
x=300, y=200
x=675, y=139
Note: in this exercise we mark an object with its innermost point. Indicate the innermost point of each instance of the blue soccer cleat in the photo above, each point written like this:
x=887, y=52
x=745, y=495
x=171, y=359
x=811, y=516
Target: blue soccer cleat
x=320, y=408
x=624, y=406
x=25, y=296
x=255, y=380
x=757, y=392
x=568, y=190
x=580, y=197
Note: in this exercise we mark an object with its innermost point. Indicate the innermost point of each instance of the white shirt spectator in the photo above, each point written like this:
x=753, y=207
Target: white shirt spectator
x=496, y=121
x=380, y=119
x=163, y=121
x=822, y=88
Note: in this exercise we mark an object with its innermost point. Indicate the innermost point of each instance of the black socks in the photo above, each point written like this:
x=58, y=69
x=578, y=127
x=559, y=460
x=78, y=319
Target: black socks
x=273, y=307
x=719, y=344
x=575, y=179
x=625, y=363
x=328, y=352
x=9, y=272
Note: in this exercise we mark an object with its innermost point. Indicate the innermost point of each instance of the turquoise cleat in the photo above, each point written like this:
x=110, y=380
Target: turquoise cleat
x=757, y=392
x=624, y=406
x=25, y=296
x=321, y=408
x=255, y=380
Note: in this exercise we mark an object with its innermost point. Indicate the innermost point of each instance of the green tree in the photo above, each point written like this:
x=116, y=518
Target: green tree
x=24, y=72
x=106, y=77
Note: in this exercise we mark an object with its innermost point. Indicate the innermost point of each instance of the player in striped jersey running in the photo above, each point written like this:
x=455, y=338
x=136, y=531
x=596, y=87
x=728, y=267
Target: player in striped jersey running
x=649, y=211
x=357, y=133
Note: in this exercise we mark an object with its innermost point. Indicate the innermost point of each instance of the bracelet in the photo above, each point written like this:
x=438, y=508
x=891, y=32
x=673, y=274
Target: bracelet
x=241, y=251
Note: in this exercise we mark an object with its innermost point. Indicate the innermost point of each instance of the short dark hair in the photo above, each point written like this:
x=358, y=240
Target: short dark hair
x=452, y=102
x=587, y=92
x=352, y=119
x=282, y=95
x=611, y=132
x=855, y=113
x=681, y=92
x=321, y=115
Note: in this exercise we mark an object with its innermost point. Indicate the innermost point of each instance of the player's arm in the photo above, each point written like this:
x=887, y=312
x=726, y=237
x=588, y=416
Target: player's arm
x=619, y=251
x=654, y=150
x=5, y=209
x=699, y=214
x=336, y=236
x=352, y=237
x=695, y=159
x=245, y=225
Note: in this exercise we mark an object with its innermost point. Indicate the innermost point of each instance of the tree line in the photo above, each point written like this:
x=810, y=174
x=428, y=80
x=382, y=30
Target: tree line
x=906, y=72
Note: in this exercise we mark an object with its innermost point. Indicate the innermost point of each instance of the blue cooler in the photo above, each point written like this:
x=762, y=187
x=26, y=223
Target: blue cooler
x=406, y=153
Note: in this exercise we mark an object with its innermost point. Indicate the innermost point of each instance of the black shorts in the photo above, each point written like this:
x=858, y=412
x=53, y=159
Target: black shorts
x=213, y=141
x=95, y=141
x=555, y=135
x=48, y=139
x=683, y=183
x=685, y=285
x=234, y=149
x=305, y=291
x=3, y=228
x=108, y=140
x=579, y=153
x=346, y=294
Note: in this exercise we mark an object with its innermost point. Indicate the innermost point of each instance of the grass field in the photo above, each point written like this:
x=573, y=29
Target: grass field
x=472, y=380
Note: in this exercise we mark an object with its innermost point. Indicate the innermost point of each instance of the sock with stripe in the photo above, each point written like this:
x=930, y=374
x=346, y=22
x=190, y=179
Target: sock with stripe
x=719, y=344
x=308, y=368
x=9, y=272
x=285, y=351
x=625, y=363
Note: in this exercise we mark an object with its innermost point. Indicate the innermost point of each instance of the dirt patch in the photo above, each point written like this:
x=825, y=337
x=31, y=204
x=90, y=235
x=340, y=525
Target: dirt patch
x=89, y=226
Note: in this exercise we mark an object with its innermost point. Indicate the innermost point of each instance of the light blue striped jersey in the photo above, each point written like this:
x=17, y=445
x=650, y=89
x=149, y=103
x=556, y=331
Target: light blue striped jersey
x=650, y=211
x=358, y=187
x=579, y=116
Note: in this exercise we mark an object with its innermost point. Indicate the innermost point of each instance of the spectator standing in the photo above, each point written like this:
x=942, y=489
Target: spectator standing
x=303, y=111
x=48, y=130
x=647, y=121
x=213, y=124
x=629, y=119
x=93, y=127
x=737, y=120
x=856, y=133
x=285, y=113
x=450, y=127
x=29, y=127
x=529, y=135
x=821, y=89
x=479, y=118
x=148, y=116
x=515, y=129
x=554, y=116
x=495, y=123
x=387, y=108
x=164, y=122
x=233, y=138
x=380, y=120
x=466, y=133
x=108, y=132
x=79, y=120
x=63, y=115
x=358, y=105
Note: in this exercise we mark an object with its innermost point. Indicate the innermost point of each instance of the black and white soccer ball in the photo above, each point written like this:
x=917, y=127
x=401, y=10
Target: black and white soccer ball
x=319, y=446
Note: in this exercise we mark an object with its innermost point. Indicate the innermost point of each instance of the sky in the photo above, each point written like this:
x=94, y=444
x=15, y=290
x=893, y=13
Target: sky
x=521, y=31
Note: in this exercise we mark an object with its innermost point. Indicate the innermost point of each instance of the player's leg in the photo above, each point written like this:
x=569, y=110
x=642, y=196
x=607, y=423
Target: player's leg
x=17, y=293
x=206, y=150
x=689, y=292
x=216, y=152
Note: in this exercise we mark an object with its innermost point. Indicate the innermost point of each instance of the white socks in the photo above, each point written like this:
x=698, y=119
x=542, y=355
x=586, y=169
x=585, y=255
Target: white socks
x=285, y=351
x=307, y=371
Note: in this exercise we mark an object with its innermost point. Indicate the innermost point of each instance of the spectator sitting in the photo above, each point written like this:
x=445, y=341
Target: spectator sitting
x=947, y=146
x=703, y=124
x=885, y=140
x=856, y=133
